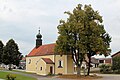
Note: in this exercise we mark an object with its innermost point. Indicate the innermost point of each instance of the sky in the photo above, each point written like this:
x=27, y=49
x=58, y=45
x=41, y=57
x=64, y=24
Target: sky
x=21, y=19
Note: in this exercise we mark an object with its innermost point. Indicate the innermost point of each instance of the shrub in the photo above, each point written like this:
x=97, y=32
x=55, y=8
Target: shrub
x=116, y=64
x=59, y=73
x=11, y=76
x=105, y=68
x=49, y=74
x=10, y=69
x=116, y=72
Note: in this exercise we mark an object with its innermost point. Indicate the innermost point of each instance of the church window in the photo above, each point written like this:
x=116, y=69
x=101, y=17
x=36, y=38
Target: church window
x=60, y=64
x=40, y=68
x=29, y=61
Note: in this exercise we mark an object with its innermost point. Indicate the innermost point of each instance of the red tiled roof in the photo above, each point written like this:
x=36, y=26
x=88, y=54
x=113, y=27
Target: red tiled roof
x=43, y=50
x=115, y=54
x=48, y=60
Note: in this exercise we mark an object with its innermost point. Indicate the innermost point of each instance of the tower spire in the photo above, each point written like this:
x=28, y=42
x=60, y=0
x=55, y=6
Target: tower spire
x=38, y=40
x=39, y=30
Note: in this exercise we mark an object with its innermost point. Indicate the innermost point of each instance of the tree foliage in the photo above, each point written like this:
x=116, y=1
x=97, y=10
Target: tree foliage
x=82, y=32
x=11, y=53
x=1, y=51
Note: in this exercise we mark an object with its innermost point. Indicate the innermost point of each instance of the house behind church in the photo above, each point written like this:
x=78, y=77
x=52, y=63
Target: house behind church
x=116, y=54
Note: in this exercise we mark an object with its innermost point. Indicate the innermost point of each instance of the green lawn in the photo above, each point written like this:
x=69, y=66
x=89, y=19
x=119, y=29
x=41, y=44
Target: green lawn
x=18, y=76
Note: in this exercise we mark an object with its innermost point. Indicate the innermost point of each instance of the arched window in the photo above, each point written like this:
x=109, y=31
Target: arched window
x=29, y=61
x=60, y=64
x=41, y=68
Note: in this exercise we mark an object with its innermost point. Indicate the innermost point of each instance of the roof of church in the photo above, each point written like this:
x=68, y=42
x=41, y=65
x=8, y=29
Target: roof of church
x=48, y=60
x=47, y=49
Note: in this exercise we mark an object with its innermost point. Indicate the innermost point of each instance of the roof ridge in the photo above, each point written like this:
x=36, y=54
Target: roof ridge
x=48, y=44
x=115, y=53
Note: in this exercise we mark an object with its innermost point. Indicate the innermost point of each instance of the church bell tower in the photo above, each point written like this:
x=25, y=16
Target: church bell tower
x=38, y=40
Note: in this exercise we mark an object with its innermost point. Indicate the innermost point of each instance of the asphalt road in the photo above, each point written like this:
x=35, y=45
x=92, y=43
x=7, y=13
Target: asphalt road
x=105, y=76
x=109, y=76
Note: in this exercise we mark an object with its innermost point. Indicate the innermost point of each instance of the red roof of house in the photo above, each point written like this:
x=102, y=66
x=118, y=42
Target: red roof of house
x=115, y=54
x=43, y=50
x=48, y=60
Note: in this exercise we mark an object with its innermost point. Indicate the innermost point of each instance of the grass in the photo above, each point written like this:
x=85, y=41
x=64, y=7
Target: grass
x=18, y=76
x=80, y=77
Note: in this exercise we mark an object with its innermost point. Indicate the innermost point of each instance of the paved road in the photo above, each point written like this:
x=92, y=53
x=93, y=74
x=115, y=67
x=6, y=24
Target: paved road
x=105, y=76
x=109, y=76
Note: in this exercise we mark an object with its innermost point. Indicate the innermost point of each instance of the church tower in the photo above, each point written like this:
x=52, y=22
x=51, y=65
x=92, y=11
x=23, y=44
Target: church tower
x=38, y=40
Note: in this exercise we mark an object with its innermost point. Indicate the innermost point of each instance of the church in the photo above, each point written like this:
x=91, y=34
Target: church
x=42, y=60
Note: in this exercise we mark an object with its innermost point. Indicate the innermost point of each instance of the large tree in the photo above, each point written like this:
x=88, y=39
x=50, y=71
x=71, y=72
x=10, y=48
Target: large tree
x=97, y=40
x=1, y=51
x=82, y=33
x=11, y=53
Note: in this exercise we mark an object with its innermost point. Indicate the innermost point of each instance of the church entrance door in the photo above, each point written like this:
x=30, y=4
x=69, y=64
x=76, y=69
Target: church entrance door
x=51, y=69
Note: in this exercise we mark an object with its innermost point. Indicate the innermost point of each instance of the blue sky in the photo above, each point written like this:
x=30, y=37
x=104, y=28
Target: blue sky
x=20, y=20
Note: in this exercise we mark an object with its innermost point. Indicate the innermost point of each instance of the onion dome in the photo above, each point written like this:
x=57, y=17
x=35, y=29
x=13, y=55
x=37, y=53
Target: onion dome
x=39, y=35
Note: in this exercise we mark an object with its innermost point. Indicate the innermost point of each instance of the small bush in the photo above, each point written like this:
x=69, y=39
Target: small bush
x=10, y=69
x=49, y=74
x=116, y=64
x=105, y=68
x=59, y=73
x=11, y=76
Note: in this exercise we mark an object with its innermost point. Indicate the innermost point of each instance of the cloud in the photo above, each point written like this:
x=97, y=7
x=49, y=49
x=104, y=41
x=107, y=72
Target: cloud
x=115, y=44
x=20, y=19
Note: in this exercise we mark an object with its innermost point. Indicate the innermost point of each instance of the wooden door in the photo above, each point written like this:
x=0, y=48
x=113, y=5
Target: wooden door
x=51, y=69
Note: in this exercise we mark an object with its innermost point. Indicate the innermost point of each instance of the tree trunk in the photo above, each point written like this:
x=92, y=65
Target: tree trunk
x=89, y=57
x=84, y=72
x=78, y=70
